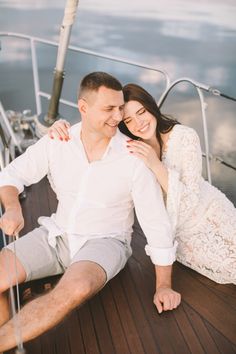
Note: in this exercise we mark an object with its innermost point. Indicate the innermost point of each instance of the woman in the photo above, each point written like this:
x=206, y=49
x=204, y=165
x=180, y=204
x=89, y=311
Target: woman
x=203, y=219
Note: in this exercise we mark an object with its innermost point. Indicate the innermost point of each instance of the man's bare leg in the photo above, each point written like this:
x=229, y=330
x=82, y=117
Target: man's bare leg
x=4, y=308
x=80, y=281
x=7, y=275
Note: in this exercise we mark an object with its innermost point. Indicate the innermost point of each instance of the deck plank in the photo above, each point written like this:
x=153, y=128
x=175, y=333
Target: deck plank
x=206, y=303
x=48, y=343
x=115, y=326
x=188, y=332
x=101, y=326
x=158, y=325
x=87, y=330
x=73, y=328
x=126, y=318
x=139, y=313
x=62, y=340
x=199, y=327
x=224, y=346
x=226, y=292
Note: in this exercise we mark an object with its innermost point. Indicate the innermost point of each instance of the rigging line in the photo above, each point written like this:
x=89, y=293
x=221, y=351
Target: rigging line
x=228, y=97
x=20, y=348
x=217, y=92
x=220, y=160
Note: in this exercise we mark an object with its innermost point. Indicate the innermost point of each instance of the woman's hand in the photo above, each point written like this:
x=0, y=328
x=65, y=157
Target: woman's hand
x=145, y=152
x=149, y=156
x=60, y=130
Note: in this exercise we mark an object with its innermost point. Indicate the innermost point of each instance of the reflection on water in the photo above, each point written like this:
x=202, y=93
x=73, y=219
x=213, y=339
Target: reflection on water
x=184, y=37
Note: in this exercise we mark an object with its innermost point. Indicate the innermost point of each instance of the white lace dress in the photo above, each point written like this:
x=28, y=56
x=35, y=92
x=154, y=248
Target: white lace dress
x=203, y=219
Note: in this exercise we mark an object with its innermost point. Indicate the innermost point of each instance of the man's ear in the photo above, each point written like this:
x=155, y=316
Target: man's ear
x=82, y=106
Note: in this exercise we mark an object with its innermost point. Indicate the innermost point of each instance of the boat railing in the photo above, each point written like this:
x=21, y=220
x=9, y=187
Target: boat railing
x=39, y=93
x=200, y=87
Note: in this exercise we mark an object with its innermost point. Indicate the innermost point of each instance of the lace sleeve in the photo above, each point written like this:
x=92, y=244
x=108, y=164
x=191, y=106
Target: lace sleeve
x=184, y=181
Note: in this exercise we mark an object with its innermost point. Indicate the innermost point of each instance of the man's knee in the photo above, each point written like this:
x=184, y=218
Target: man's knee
x=11, y=270
x=81, y=280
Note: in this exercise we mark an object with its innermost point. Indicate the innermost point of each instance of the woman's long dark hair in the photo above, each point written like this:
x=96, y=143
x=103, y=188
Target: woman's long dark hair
x=133, y=92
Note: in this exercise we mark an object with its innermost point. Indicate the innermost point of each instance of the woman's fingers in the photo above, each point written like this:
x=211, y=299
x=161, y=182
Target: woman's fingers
x=60, y=130
x=144, y=151
x=138, y=149
x=139, y=145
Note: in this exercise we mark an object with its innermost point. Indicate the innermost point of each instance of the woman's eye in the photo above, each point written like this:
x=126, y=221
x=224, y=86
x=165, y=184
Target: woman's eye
x=142, y=111
x=127, y=121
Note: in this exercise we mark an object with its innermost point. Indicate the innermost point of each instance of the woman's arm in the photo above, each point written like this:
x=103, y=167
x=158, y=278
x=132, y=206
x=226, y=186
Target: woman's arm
x=182, y=184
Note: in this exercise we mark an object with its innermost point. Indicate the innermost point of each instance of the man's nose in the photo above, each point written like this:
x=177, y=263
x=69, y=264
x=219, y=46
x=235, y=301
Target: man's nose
x=118, y=115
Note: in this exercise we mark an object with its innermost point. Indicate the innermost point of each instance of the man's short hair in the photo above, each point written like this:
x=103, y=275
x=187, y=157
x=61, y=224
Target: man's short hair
x=93, y=81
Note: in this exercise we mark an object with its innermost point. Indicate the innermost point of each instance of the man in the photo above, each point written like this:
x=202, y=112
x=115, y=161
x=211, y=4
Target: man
x=97, y=183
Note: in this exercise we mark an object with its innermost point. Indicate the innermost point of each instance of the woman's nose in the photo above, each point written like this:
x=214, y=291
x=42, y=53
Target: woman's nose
x=139, y=122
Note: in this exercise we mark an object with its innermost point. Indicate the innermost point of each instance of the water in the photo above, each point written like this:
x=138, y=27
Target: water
x=185, y=37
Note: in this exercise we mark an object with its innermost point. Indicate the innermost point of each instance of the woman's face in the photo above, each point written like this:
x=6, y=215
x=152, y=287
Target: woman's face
x=139, y=121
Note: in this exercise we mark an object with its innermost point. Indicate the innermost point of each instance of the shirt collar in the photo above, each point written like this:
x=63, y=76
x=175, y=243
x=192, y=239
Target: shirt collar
x=116, y=144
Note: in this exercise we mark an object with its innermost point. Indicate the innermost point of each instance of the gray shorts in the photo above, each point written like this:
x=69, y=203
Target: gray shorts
x=40, y=260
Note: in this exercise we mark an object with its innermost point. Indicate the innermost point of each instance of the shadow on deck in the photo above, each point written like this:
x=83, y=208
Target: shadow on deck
x=122, y=319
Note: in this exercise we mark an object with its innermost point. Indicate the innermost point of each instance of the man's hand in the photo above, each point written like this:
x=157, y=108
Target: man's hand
x=12, y=221
x=166, y=299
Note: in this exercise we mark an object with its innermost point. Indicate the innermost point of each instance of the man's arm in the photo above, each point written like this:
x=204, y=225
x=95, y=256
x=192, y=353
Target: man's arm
x=28, y=168
x=165, y=298
x=25, y=170
x=12, y=220
x=153, y=219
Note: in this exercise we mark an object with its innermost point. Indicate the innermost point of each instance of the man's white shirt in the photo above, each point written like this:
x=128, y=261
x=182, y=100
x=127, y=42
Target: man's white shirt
x=96, y=199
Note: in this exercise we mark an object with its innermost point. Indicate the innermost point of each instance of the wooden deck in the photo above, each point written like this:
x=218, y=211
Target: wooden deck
x=122, y=319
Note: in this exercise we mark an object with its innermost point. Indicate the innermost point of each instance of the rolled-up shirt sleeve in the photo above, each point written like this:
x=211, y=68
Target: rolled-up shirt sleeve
x=28, y=168
x=152, y=216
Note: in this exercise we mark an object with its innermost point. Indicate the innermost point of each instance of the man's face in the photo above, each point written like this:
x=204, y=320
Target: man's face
x=102, y=111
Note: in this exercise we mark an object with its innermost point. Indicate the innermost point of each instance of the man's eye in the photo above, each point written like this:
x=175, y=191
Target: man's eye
x=108, y=109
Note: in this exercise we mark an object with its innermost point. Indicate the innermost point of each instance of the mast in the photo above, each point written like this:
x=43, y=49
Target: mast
x=59, y=74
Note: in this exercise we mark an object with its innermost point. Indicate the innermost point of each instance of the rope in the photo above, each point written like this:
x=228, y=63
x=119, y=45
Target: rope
x=14, y=308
